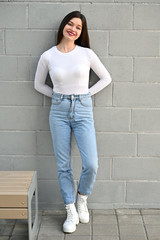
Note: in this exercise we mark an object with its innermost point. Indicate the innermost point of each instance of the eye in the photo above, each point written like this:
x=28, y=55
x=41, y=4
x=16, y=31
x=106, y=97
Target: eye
x=70, y=24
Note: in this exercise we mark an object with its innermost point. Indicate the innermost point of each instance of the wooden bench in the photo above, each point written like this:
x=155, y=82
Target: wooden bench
x=17, y=189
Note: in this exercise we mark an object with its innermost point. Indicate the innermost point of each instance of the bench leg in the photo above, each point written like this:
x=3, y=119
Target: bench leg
x=33, y=228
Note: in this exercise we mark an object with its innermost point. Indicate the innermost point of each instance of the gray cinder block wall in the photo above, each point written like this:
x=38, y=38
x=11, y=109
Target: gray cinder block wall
x=125, y=34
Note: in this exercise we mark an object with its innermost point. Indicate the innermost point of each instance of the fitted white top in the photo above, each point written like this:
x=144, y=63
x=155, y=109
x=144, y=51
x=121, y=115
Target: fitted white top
x=69, y=71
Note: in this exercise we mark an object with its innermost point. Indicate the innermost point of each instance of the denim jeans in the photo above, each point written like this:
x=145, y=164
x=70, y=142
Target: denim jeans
x=73, y=113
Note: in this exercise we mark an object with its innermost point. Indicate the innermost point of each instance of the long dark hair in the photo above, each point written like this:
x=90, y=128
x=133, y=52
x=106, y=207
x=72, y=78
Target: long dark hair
x=83, y=39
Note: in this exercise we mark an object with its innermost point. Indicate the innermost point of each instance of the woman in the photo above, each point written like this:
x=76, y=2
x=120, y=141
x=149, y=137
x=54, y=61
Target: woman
x=69, y=63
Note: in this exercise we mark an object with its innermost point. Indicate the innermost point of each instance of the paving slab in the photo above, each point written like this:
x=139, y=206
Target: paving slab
x=71, y=237
x=150, y=211
x=132, y=237
x=153, y=232
x=105, y=229
x=103, y=211
x=131, y=229
x=130, y=219
x=128, y=211
x=152, y=219
x=51, y=231
x=104, y=219
x=106, y=238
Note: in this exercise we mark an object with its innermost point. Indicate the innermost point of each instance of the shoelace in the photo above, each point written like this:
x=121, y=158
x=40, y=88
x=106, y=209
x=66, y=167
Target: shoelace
x=82, y=206
x=70, y=214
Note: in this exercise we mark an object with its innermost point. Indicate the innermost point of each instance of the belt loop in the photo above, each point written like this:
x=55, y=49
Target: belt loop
x=61, y=96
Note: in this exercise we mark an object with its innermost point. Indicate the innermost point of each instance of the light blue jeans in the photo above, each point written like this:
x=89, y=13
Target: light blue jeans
x=73, y=113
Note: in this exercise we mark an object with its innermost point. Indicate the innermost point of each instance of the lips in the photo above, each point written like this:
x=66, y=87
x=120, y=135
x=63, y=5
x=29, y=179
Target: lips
x=70, y=33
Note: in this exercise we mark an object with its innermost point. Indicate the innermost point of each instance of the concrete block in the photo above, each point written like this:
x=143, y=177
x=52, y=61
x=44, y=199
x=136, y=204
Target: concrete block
x=20, y=68
x=2, y=45
x=55, y=13
x=99, y=42
x=47, y=167
x=147, y=69
x=107, y=192
x=13, y=15
x=24, y=67
x=111, y=119
x=6, y=163
x=136, y=95
x=148, y=145
x=25, y=163
x=19, y=94
x=104, y=97
x=140, y=192
x=145, y=120
x=44, y=143
x=103, y=162
x=86, y=1
x=136, y=168
x=17, y=143
x=108, y=16
x=29, y=42
x=120, y=68
x=147, y=16
x=53, y=195
x=24, y=118
x=116, y=144
x=8, y=62
x=134, y=43
x=138, y=1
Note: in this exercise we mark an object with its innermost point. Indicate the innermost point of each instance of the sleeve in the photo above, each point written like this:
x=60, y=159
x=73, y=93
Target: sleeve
x=40, y=77
x=100, y=70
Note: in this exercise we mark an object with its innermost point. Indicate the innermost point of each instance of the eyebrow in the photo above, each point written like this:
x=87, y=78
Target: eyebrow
x=78, y=24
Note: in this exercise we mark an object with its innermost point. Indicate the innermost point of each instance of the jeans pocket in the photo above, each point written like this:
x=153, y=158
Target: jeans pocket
x=86, y=102
x=56, y=101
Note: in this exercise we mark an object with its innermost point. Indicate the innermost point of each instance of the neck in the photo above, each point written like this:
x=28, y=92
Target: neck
x=66, y=46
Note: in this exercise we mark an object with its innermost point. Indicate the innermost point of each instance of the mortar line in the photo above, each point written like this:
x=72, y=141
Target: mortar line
x=111, y=168
x=118, y=224
x=144, y=225
x=133, y=13
x=91, y=225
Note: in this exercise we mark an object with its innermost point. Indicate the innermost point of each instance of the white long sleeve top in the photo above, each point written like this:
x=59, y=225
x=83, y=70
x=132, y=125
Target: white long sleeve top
x=69, y=72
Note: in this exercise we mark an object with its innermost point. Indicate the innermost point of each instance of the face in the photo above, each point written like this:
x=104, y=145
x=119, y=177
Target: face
x=73, y=29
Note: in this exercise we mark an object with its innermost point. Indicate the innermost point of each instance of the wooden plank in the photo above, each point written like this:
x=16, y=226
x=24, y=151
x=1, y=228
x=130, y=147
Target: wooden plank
x=9, y=180
x=13, y=199
x=16, y=173
x=13, y=213
x=13, y=189
x=16, y=184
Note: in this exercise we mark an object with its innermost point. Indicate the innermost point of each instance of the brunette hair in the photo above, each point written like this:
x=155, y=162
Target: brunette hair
x=83, y=39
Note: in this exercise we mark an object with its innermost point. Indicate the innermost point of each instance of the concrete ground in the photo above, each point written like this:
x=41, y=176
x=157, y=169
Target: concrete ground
x=119, y=224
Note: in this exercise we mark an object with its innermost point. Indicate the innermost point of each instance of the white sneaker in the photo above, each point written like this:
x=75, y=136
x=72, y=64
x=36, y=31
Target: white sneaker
x=82, y=208
x=69, y=225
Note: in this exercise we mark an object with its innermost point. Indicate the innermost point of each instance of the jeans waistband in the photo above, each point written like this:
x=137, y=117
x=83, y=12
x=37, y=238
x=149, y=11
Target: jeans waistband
x=71, y=96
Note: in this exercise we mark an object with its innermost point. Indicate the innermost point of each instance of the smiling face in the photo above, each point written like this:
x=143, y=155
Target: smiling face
x=73, y=29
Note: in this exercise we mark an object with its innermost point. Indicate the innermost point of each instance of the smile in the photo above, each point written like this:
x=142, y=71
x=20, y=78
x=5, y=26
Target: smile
x=70, y=33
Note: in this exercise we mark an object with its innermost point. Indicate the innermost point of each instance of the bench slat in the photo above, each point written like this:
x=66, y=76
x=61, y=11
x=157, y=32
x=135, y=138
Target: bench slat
x=16, y=213
x=13, y=199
